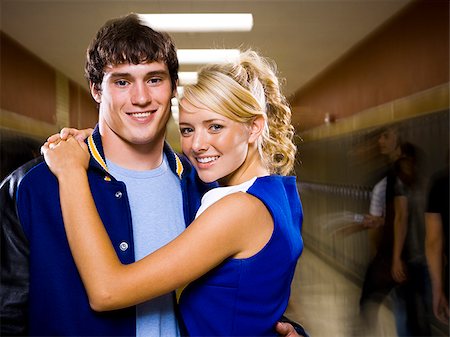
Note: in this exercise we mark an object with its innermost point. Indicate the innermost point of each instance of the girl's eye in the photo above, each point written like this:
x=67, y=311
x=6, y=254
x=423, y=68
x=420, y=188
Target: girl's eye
x=186, y=131
x=216, y=127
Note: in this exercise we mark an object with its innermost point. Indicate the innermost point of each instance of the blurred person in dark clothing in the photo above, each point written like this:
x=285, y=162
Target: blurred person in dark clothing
x=436, y=242
x=411, y=269
x=378, y=280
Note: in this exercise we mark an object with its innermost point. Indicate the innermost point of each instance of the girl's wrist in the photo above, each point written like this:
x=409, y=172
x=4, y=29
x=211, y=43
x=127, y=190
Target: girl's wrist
x=72, y=175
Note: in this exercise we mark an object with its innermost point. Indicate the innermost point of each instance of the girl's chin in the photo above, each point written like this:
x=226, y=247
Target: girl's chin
x=207, y=178
x=208, y=181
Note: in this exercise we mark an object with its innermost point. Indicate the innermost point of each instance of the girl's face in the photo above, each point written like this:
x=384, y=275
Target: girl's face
x=216, y=145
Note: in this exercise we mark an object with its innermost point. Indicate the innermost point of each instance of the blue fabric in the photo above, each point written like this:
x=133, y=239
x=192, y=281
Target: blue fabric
x=246, y=297
x=152, y=193
x=57, y=302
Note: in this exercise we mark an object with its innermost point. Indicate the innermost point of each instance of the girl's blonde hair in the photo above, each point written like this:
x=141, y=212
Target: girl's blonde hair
x=242, y=91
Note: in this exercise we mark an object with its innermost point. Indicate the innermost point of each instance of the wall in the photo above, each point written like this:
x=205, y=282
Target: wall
x=36, y=99
x=407, y=55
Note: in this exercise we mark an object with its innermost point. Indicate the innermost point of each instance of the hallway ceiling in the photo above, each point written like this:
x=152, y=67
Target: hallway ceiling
x=304, y=37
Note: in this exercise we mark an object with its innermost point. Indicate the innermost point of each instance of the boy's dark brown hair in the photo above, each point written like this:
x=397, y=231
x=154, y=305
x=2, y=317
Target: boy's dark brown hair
x=127, y=40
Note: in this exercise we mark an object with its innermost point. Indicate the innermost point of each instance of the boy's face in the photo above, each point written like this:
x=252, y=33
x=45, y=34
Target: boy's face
x=134, y=102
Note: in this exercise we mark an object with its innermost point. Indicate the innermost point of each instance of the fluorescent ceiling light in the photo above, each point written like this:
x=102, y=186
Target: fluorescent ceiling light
x=218, y=22
x=202, y=56
x=187, y=77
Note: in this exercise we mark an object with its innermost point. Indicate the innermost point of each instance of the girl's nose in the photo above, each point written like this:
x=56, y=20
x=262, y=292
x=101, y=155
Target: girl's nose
x=199, y=142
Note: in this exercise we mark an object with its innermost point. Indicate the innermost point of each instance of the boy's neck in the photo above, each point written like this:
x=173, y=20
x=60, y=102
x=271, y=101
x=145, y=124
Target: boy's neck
x=138, y=157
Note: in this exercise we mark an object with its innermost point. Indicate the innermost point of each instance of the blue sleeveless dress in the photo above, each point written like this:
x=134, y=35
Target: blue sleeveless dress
x=246, y=297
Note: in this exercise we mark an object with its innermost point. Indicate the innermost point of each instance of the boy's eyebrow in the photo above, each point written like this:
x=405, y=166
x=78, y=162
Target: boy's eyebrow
x=150, y=73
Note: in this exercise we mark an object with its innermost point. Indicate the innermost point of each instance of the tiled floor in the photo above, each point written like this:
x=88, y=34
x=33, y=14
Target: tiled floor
x=326, y=302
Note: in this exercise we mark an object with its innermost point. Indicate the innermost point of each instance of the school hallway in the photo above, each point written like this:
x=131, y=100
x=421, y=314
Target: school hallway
x=326, y=302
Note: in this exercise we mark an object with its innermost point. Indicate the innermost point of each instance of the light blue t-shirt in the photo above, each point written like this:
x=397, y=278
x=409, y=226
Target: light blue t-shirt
x=157, y=213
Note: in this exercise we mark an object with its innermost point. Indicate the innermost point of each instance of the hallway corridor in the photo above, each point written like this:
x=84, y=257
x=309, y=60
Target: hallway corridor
x=326, y=302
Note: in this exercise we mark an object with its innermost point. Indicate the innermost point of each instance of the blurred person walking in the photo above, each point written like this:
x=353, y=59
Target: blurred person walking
x=387, y=270
x=436, y=242
x=409, y=203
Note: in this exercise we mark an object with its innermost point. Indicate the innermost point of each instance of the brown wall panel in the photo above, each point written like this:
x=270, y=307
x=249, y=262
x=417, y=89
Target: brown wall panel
x=27, y=84
x=82, y=107
x=407, y=55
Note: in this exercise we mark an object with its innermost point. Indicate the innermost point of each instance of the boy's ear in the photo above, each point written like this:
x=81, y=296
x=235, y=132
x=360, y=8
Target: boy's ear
x=96, y=92
x=256, y=128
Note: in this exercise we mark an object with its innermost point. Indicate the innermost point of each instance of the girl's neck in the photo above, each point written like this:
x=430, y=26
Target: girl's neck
x=253, y=166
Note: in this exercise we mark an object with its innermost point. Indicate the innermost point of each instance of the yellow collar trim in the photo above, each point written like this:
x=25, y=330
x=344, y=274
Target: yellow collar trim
x=180, y=167
x=95, y=153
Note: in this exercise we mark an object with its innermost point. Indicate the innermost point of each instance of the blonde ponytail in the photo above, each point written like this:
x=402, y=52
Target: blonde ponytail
x=277, y=144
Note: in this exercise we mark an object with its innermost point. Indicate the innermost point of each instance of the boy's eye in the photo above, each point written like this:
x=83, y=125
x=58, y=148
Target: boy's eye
x=121, y=83
x=155, y=80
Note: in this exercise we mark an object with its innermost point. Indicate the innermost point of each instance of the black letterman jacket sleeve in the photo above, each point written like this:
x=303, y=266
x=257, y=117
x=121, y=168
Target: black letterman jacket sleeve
x=14, y=272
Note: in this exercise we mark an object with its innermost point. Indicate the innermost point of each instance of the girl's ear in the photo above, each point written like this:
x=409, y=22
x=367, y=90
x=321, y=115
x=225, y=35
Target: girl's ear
x=256, y=128
x=96, y=92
